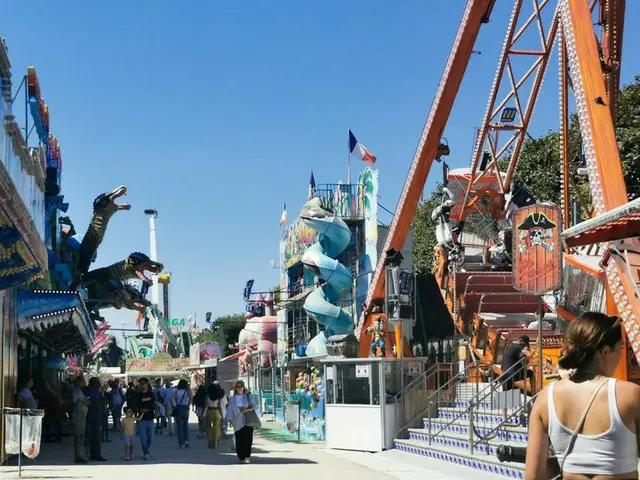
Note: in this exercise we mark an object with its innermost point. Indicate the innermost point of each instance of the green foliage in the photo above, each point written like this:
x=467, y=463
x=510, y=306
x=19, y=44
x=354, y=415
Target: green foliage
x=276, y=297
x=205, y=336
x=225, y=330
x=628, y=135
x=424, y=233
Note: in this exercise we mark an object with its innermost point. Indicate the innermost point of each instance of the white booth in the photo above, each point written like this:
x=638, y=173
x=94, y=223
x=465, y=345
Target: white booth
x=362, y=410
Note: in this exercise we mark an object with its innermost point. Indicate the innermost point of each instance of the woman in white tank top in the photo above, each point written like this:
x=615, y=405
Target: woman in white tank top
x=605, y=446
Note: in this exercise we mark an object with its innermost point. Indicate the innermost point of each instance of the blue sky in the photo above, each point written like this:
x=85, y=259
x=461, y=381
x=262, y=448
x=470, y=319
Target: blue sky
x=215, y=112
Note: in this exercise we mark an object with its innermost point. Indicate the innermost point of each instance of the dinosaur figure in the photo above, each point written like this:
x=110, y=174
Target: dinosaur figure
x=114, y=294
x=134, y=266
x=104, y=206
x=106, y=286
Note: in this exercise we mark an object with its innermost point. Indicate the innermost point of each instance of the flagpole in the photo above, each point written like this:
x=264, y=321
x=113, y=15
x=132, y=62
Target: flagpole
x=349, y=161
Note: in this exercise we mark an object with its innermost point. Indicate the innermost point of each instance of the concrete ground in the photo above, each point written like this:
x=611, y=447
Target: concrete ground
x=270, y=460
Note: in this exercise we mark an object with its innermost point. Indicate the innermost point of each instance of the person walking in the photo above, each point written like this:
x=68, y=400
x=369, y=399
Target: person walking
x=240, y=405
x=169, y=392
x=80, y=407
x=589, y=418
x=160, y=393
x=199, y=408
x=117, y=401
x=213, y=416
x=182, y=400
x=25, y=395
x=128, y=432
x=94, y=419
x=105, y=389
x=146, y=412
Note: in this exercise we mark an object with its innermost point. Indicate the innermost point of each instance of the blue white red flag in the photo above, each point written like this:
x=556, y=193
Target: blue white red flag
x=283, y=217
x=360, y=151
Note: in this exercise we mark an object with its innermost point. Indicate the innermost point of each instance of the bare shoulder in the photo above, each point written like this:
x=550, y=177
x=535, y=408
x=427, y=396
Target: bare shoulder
x=541, y=403
x=628, y=394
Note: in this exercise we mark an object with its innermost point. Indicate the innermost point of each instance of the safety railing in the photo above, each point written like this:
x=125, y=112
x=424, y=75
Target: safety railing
x=345, y=200
x=412, y=397
x=443, y=394
x=481, y=410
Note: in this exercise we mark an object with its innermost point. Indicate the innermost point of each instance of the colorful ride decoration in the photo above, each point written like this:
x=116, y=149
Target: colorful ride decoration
x=259, y=335
x=311, y=385
x=537, y=255
x=322, y=304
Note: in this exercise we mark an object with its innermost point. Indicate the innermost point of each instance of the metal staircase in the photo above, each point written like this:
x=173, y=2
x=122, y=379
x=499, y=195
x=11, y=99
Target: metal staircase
x=462, y=422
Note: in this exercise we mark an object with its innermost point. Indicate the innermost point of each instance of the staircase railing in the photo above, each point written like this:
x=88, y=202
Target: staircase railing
x=480, y=407
x=444, y=393
x=411, y=397
x=521, y=412
x=423, y=378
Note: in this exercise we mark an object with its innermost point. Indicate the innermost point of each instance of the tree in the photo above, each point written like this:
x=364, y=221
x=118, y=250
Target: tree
x=628, y=135
x=226, y=329
x=424, y=233
x=205, y=336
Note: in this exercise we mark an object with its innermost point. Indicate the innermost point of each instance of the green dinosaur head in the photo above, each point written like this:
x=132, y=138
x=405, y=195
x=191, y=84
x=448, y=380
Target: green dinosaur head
x=106, y=202
x=138, y=263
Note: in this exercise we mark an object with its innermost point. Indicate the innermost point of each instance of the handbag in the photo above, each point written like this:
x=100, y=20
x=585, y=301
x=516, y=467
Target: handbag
x=252, y=419
x=554, y=468
x=174, y=410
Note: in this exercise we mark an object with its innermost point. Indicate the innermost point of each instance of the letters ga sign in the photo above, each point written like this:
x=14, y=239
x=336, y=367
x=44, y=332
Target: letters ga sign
x=177, y=325
x=537, y=250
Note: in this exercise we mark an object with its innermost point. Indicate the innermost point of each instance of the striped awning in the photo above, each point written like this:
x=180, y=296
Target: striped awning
x=59, y=318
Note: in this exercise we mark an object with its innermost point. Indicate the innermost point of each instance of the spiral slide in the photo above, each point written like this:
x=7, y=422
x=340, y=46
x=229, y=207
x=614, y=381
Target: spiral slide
x=321, y=305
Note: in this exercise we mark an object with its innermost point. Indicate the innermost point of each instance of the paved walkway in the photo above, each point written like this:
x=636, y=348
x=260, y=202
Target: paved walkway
x=270, y=460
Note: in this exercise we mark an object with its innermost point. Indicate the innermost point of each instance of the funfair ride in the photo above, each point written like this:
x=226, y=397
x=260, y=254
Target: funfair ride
x=600, y=252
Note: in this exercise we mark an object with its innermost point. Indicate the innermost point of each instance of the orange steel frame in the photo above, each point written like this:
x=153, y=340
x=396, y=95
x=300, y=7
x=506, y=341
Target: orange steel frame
x=476, y=12
x=594, y=84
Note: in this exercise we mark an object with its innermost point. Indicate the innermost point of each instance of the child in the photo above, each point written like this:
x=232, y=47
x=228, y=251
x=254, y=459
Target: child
x=128, y=431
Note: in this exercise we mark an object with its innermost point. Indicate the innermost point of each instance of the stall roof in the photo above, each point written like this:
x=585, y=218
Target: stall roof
x=229, y=358
x=58, y=317
x=150, y=374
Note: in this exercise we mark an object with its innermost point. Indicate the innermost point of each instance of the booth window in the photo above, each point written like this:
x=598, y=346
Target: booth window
x=355, y=384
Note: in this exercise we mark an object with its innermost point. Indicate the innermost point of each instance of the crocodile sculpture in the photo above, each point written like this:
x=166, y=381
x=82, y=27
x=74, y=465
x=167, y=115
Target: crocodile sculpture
x=106, y=286
x=104, y=206
x=115, y=294
x=134, y=266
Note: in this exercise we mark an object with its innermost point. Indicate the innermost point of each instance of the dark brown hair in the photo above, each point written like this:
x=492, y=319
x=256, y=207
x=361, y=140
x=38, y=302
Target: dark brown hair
x=587, y=334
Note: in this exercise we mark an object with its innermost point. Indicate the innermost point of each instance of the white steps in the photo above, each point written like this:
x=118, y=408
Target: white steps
x=450, y=440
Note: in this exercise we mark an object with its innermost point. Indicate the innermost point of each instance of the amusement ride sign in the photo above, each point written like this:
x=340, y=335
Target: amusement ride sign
x=537, y=251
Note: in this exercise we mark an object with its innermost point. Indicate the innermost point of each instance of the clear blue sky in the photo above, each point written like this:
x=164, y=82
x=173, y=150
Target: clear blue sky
x=215, y=112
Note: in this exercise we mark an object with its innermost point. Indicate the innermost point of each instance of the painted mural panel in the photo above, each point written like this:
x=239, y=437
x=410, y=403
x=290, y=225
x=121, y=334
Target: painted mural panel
x=297, y=238
x=537, y=252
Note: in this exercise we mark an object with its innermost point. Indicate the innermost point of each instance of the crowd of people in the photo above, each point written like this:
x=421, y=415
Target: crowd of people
x=143, y=410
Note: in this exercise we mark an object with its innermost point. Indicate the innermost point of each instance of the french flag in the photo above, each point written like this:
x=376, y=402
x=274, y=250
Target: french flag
x=360, y=151
x=284, y=216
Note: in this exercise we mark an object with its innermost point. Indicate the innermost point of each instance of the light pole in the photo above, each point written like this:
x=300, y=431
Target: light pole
x=153, y=254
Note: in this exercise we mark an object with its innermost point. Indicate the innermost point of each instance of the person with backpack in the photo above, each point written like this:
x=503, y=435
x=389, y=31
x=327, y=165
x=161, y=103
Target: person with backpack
x=213, y=416
x=117, y=397
x=200, y=408
x=182, y=399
